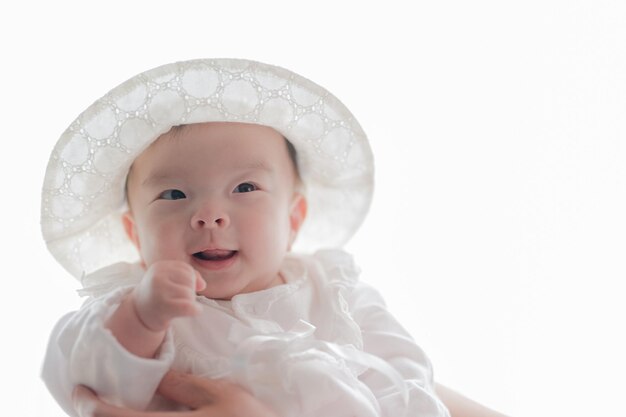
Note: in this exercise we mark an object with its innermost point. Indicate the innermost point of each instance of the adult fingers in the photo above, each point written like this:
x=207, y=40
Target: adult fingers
x=85, y=401
x=87, y=404
x=191, y=390
x=212, y=397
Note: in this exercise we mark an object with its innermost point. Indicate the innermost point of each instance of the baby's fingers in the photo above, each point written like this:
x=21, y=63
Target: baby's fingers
x=200, y=283
x=186, y=276
x=197, y=283
x=183, y=308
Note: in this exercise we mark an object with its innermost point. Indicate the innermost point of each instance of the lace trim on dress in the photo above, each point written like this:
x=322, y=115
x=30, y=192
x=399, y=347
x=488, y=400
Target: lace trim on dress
x=110, y=278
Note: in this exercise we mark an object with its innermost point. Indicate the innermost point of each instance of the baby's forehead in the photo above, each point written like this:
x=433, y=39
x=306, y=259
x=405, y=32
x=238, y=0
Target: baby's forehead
x=244, y=145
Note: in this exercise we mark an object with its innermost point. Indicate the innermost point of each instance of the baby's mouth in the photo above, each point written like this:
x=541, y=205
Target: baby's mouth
x=215, y=255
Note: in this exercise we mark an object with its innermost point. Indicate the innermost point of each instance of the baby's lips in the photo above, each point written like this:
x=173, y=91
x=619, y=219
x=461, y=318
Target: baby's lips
x=215, y=254
x=219, y=253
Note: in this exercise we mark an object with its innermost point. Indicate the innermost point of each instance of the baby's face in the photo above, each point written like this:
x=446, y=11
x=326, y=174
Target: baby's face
x=221, y=197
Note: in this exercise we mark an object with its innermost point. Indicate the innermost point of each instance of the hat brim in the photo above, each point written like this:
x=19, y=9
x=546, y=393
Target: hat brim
x=83, y=192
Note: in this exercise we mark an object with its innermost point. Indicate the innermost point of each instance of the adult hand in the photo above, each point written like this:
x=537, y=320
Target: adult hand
x=461, y=406
x=205, y=397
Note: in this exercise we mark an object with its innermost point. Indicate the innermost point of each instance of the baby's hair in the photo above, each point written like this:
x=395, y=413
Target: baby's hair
x=293, y=156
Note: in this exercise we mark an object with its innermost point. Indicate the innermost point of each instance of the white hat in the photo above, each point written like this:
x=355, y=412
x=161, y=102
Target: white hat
x=83, y=191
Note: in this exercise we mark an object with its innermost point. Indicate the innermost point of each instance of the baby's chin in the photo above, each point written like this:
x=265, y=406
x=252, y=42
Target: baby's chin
x=225, y=288
x=217, y=294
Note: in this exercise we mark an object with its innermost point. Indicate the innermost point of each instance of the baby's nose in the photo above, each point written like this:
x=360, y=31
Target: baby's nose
x=209, y=218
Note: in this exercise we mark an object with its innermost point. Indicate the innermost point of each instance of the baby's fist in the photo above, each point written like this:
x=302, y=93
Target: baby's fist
x=166, y=291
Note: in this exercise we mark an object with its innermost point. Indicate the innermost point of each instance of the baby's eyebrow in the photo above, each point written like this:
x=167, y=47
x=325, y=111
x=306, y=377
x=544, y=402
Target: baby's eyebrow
x=254, y=165
x=158, y=178
x=161, y=177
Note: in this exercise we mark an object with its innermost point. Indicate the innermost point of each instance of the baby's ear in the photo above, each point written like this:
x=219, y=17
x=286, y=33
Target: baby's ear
x=297, y=214
x=130, y=228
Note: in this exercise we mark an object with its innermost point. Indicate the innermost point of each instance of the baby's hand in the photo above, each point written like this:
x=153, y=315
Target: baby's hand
x=167, y=290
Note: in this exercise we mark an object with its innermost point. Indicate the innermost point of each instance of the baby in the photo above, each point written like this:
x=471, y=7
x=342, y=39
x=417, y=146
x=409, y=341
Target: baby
x=213, y=212
x=221, y=162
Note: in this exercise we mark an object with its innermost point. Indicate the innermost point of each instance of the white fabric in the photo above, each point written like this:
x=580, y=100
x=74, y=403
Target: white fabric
x=323, y=344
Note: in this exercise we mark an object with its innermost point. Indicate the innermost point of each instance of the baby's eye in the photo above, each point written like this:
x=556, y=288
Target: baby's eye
x=172, y=195
x=245, y=187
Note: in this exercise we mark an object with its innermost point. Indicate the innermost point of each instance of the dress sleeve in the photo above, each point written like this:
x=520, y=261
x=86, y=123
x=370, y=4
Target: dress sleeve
x=385, y=338
x=82, y=351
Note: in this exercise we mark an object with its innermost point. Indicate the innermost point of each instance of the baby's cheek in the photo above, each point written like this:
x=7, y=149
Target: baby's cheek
x=161, y=242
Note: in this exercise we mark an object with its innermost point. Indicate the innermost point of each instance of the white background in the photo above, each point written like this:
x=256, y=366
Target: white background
x=498, y=229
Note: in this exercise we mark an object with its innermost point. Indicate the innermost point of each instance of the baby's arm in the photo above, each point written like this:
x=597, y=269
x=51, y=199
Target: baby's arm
x=167, y=290
x=83, y=348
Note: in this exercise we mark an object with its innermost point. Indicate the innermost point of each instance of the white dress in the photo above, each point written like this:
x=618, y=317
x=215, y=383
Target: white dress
x=323, y=344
